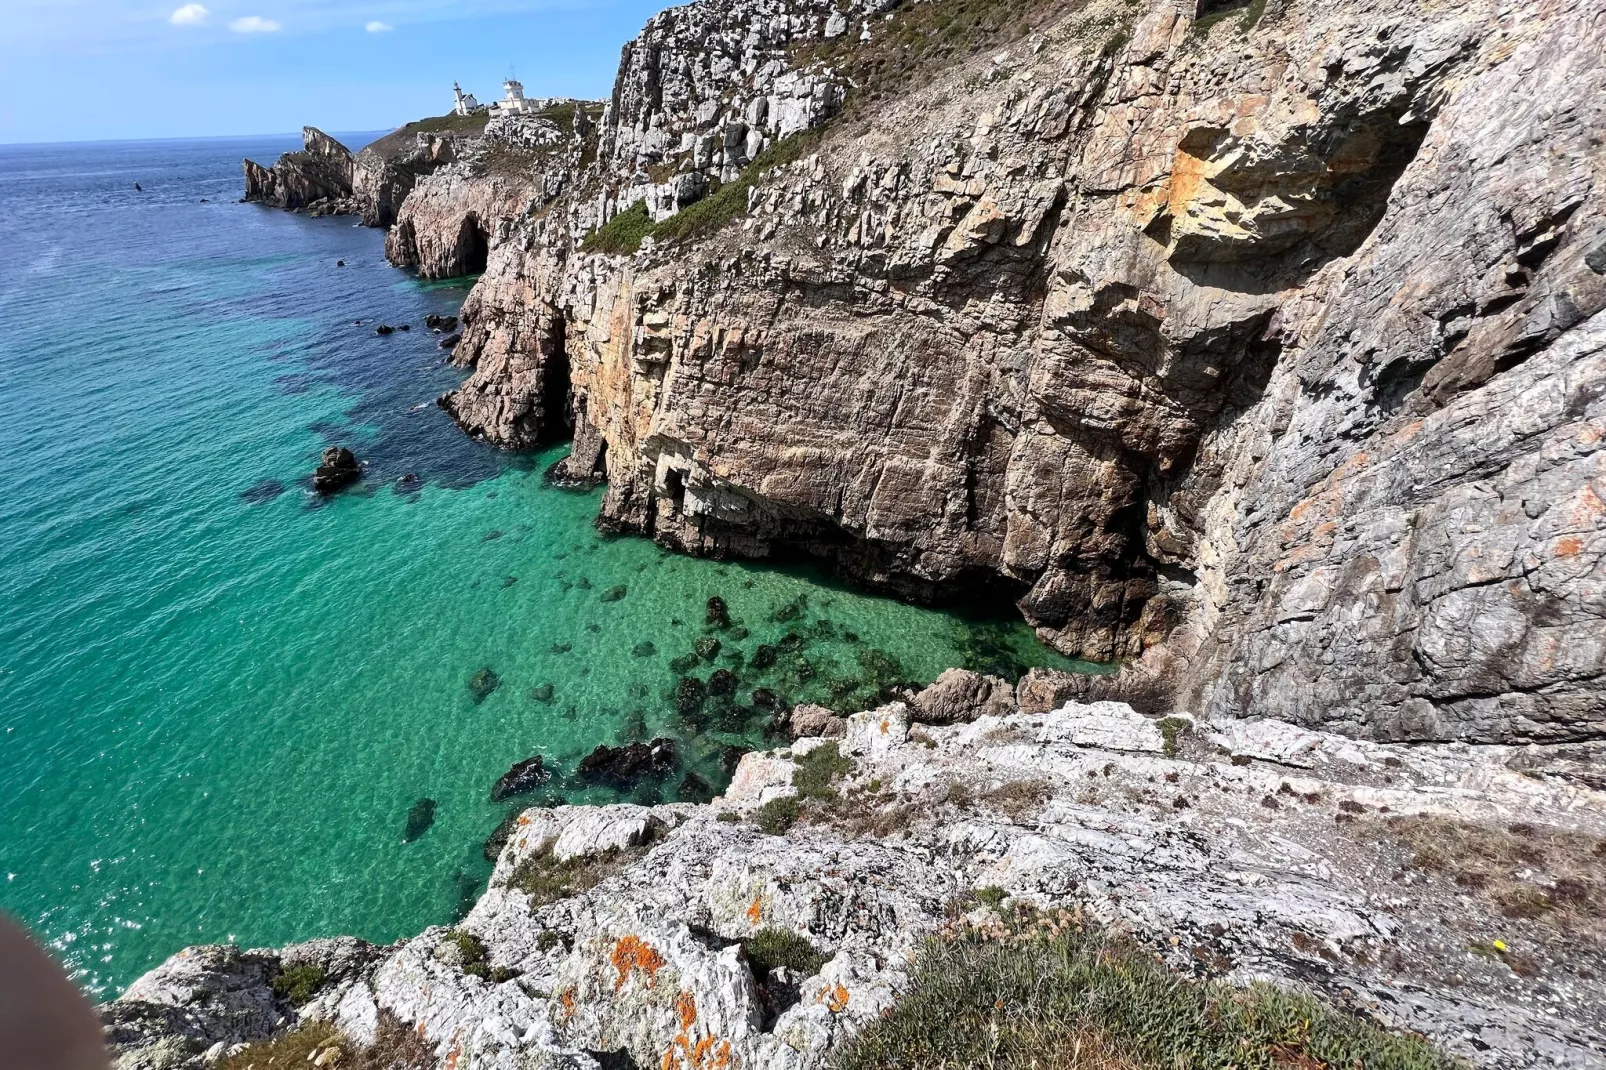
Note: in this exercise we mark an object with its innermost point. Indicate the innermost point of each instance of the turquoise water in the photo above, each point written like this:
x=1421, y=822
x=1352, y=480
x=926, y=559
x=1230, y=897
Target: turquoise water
x=220, y=698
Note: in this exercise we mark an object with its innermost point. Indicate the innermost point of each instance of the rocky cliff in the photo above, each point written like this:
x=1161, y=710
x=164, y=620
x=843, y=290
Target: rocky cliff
x=319, y=177
x=631, y=936
x=1258, y=346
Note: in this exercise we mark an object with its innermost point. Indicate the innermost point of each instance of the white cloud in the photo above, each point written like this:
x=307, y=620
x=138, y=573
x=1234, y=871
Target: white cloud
x=379, y=27
x=254, y=24
x=189, y=15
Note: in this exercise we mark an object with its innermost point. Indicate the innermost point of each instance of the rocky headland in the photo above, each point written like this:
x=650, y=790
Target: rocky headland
x=1256, y=346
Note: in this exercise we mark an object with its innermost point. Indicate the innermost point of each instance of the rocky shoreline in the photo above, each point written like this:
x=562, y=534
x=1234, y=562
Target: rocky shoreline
x=1241, y=850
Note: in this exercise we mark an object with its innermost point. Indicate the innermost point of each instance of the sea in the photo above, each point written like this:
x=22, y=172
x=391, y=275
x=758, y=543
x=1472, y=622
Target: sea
x=231, y=711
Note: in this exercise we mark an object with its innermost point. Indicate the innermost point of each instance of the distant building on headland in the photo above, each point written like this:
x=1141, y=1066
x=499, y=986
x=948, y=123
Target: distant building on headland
x=513, y=101
x=466, y=104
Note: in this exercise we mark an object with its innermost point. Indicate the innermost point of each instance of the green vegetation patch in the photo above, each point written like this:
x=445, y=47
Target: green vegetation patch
x=771, y=947
x=546, y=880
x=1050, y=991
x=298, y=984
x=449, y=124
x=778, y=815
x=476, y=958
x=624, y=233
x=294, y=1050
x=819, y=770
x=1172, y=729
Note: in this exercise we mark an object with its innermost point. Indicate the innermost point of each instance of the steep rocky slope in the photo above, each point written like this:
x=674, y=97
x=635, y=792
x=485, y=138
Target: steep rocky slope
x=1240, y=850
x=1262, y=348
x=320, y=176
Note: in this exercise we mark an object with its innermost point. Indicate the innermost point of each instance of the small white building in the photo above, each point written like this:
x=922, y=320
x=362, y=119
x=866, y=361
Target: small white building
x=513, y=101
x=466, y=104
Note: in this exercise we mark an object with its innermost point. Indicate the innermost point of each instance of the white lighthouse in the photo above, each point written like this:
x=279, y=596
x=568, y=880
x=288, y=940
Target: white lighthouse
x=513, y=101
x=466, y=104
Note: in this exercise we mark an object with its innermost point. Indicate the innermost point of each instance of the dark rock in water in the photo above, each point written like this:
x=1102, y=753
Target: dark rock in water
x=498, y=839
x=644, y=649
x=719, y=614
x=694, y=789
x=404, y=327
x=450, y=341
x=410, y=481
x=482, y=683
x=583, y=583
x=722, y=683
x=384, y=328
x=594, y=627
x=765, y=699
x=689, y=694
x=621, y=767
x=804, y=668
x=791, y=642
x=491, y=536
x=562, y=648
x=419, y=819
x=739, y=633
x=791, y=611
x=440, y=323
x=685, y=663
x=541, y=693
x=764, y=657
x=340, y=263
x=615, y=593
x=523, y=777
x=508, y=581
x=338, y=470
x=265, y=491
x=707, y=647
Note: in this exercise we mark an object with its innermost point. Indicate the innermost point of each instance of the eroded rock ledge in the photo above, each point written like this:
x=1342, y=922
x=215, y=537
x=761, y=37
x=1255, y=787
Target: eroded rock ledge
x=1244, y=849
x=1262, y=351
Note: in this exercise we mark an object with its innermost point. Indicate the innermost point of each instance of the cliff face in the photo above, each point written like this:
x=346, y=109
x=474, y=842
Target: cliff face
x=319, y=175
x=1261, y=348
x=384, y=173
x=449, y=221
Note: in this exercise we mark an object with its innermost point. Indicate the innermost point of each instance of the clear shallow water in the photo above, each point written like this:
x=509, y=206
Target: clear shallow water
x=218, y=698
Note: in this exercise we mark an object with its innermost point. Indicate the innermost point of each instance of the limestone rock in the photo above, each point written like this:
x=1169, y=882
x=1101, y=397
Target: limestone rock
x=960, y=695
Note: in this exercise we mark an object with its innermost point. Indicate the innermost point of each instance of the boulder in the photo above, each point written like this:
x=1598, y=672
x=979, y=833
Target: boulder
x=523, y=777
x=959, y=696
x=419, y=818
x=809, y=721
x=621, y=767
x=339, y=469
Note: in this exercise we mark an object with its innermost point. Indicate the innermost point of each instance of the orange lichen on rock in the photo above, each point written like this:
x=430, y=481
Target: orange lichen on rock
x=633, y=953
x=755, y=909
x=566, y=997
x=835, y=999
x=1569, y=546
x=686, y=1009
x=884, y=726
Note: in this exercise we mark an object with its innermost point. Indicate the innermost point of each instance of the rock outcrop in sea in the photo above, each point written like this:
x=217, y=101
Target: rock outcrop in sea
x=316, y=179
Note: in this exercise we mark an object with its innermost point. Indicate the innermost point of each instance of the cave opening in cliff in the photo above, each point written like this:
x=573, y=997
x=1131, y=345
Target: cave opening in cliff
x=557, y=390
x=473, y=246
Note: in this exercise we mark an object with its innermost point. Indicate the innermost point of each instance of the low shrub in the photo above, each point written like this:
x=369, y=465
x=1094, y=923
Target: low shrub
x=778, y=815
x=1052, y=992
x=771, y=947
x=298, y=984
x=294, y=1050
x=546, y=880
x=476, y=959
x=819, y=770
x=623, y=234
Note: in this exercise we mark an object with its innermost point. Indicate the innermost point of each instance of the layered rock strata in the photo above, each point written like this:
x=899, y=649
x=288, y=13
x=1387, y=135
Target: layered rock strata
x=319, y=176
x=1261, y=349
x=1247, y=849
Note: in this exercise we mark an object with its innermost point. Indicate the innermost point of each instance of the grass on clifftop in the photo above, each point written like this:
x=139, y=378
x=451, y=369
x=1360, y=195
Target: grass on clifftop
x=624, y=233
x=396, y=1046
x=451, y=123
x=1038, y=991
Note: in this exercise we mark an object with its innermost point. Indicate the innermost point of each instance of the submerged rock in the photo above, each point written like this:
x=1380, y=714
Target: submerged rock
x=440, y=323
x=690, y=694
x=694, y=789
x=718, y=613
x=685, y=663
x=707, y=647
x=541, y=693
x=482, y=683
x=615, y=593
x=419, y=819
x=523, y=777
x=339, y=469
x=264, y=491
x=622, y=767
x=644, y=649
x=722, y=683
x=808, y=720
x=384, y=329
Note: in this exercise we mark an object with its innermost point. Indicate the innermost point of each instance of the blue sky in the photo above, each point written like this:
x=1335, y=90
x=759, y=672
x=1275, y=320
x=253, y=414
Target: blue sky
x=85, y=70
